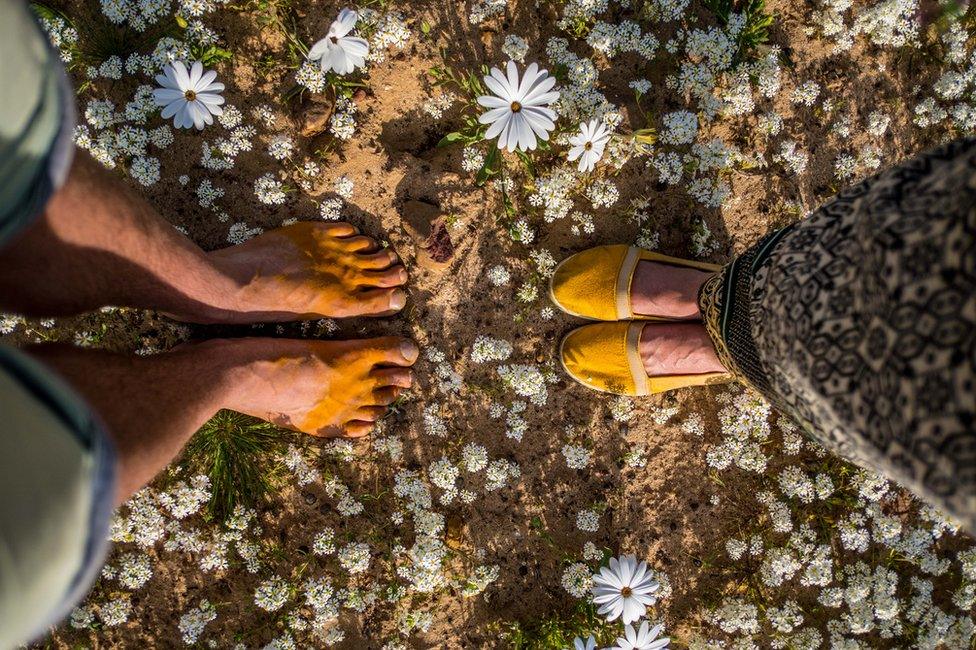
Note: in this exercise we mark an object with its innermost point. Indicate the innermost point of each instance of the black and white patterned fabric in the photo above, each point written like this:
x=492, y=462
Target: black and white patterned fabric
x=861, y=324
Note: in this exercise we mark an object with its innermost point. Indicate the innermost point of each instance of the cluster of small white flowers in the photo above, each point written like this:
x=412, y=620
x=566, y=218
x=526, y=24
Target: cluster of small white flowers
x=577, y=579
x=472, y=159
x=483, y=10
x=444, y=474
x=794, y=159
x=342, y=123
x=295, y=461
x=389, y=32
x=354, y=557
x=515, y=47
x=311, y=76
x=487, y=349
x=602, y=193
x=272, y=594
x=116, y=611
x=183, y=499
x=135, y=570
x=588, y=521
x=193, y=622
x=576, y=457
x=498, y=276
x=680, y=127
x=552, y=193
x=526, y=381
x=63, y=36
x=436, y=105
x=281, y=147
x=499, y=473
x=138, y=14
x=269, y=190
x=806, y=94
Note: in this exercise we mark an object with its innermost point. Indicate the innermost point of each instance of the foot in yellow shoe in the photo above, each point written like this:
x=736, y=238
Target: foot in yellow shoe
x=310, y=270
x=637, y=358
x=619, y=282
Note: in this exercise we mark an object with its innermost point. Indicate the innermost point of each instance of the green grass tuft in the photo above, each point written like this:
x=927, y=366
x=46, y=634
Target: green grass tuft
x=756, y=30
x=557, y=632
x=237, y=452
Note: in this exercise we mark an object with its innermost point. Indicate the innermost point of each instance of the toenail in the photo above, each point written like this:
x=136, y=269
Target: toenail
x=398, y=299
x=393, y=258
x=409, y=350
x=403, y=275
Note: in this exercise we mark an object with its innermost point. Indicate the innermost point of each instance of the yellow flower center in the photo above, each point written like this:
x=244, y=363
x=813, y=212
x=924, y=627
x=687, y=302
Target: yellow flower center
x=626, y=592
x=516, y=107
x=190, y=95
x=588, y=146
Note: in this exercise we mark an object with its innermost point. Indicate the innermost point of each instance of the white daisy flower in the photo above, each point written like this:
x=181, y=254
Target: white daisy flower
x=642, y=639
x=517, y=109
x=191, y=97
x=580, y=644
x=624, y=589
x=588, y=144
x=338, y=51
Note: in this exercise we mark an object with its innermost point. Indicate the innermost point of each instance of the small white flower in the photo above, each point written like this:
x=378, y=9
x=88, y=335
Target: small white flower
x=624, y=589
x=588, y=144
x=191, y=97
x=518, y=111
x=338, y=51
x=642, y=639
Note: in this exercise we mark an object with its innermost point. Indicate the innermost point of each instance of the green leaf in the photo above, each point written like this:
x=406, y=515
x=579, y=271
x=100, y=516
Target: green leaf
x=487, y=170
x=451, y=137
x=524, y=157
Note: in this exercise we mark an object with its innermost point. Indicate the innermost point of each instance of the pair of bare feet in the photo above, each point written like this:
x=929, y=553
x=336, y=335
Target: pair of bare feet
x=312, y=270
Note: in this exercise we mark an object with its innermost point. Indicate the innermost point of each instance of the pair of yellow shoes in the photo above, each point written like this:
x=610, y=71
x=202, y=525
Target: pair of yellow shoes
x=595, y=285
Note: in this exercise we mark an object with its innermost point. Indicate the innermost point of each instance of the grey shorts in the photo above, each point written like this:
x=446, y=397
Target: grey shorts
x=57, y=464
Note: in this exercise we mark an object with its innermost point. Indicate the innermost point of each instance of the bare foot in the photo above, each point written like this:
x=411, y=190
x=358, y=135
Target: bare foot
x=664, y=290
x=678, y=349
x=323, y=388
x=310, y=270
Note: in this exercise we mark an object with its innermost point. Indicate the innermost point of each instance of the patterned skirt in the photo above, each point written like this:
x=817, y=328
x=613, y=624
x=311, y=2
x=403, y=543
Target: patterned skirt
x=859, y=322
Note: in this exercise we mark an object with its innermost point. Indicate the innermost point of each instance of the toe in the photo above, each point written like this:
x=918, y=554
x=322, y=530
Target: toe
x=339, y=229
x=357, y=429
x=392, y=377
x=380, y=260
x=385, y=396
x=381, y=301
x=394, y=277
x=358, y=243
x=369, y=413
x=396, y=350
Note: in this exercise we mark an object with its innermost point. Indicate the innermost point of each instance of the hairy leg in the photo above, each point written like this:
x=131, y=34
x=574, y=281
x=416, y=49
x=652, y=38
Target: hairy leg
x=152, y=405
x=99, y=243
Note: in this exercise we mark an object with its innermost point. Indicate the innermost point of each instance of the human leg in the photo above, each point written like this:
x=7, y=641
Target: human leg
x=859, y=322
x=98, y=243
x=151, y=405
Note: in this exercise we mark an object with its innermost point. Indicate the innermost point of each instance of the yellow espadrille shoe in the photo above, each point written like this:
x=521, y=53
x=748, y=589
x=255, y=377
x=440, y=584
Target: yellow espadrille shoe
x=595, y=283
x=606, y=357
